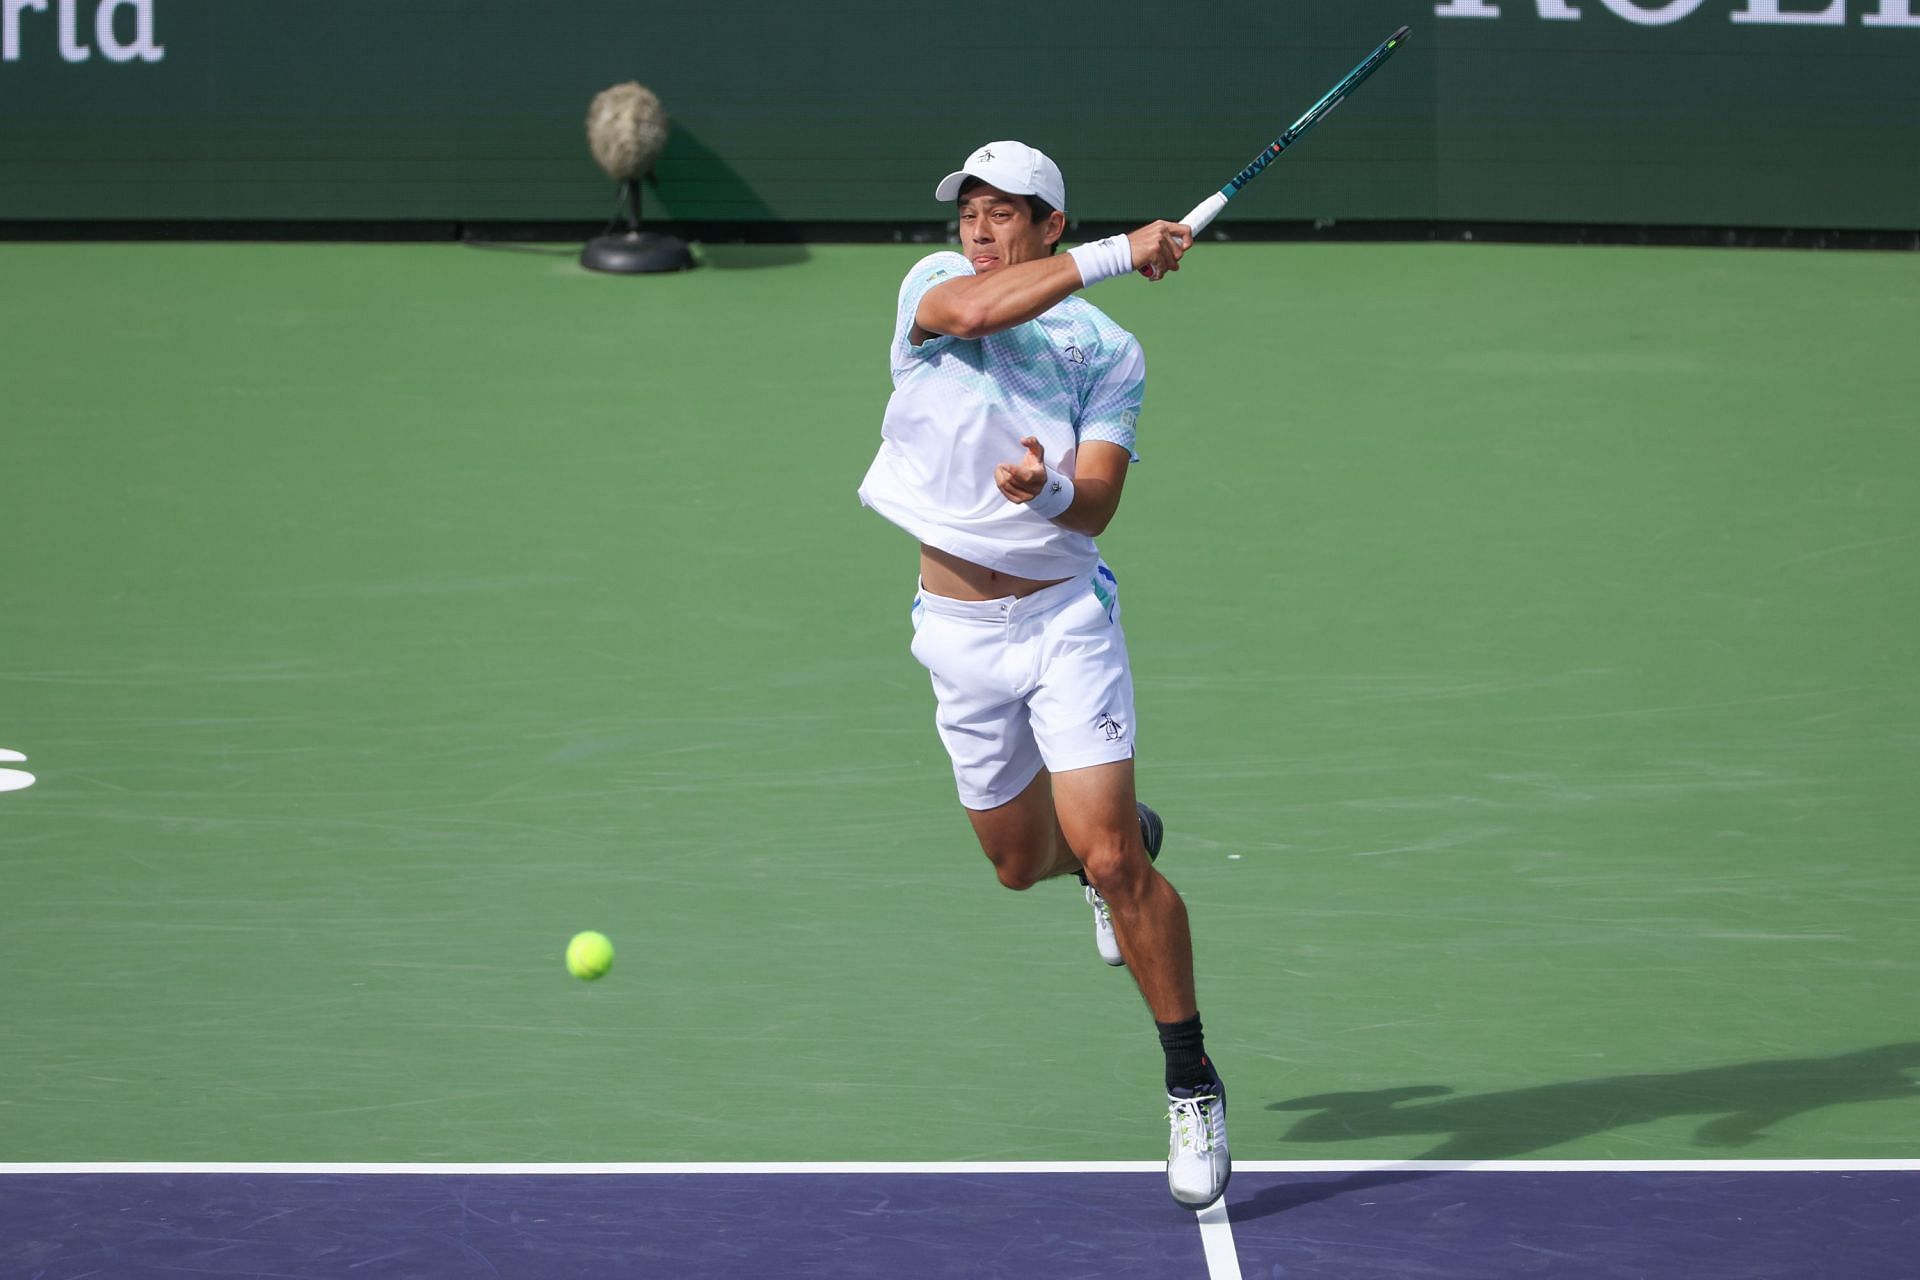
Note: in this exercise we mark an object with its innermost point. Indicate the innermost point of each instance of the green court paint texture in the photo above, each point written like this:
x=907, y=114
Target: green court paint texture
x=1525, y=643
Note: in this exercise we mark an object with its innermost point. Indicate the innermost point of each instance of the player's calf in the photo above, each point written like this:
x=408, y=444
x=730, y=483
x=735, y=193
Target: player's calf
x=1152, y=831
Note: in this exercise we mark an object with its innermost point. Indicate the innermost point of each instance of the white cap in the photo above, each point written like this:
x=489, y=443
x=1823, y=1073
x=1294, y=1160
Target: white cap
x=1015, y=168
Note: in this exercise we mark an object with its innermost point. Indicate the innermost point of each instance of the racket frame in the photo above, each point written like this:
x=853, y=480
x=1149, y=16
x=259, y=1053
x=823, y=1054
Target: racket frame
x=1208, y=209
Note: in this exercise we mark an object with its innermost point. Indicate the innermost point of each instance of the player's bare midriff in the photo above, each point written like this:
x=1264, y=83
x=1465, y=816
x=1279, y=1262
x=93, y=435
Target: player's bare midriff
x=948, y=575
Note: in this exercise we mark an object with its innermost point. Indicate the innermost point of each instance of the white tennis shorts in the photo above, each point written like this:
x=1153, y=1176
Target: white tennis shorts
x=1025, y=682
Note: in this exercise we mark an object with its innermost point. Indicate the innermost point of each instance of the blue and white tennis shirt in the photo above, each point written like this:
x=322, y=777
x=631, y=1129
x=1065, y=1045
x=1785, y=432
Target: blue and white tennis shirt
x=960, y=407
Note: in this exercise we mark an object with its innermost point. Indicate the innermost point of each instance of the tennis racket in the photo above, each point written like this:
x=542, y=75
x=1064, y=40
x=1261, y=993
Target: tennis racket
x=1208, y=209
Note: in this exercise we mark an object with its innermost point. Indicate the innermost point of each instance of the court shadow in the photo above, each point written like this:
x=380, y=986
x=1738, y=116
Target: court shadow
x=1737, y=1103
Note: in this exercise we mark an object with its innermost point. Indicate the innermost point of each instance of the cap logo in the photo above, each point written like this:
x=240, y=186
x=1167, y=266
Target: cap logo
x=986, y=154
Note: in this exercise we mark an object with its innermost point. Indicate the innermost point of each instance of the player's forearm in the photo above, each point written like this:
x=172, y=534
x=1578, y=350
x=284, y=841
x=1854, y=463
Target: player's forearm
x=1095, y=502
x=975, y=306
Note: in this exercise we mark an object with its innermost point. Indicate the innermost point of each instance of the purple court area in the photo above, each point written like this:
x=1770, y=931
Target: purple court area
x=1409, y=1225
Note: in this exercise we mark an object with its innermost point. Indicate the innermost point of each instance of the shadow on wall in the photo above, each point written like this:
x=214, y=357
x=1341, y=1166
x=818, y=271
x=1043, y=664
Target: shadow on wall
x=709, y=203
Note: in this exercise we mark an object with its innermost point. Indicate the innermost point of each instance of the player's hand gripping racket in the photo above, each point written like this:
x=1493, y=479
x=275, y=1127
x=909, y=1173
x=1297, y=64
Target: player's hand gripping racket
x=1205, y=212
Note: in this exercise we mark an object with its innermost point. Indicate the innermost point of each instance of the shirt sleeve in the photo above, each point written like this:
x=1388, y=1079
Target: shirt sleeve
x=1113, y=406
x=931, y=270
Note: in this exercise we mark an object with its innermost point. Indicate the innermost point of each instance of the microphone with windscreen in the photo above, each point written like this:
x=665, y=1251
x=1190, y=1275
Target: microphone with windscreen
x=627, y=129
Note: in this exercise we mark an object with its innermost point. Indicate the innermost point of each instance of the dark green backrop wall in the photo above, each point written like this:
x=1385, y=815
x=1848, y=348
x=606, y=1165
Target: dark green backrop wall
x=1765, y=113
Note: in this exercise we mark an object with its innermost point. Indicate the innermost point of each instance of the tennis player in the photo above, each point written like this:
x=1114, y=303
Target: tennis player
x=1003, y=452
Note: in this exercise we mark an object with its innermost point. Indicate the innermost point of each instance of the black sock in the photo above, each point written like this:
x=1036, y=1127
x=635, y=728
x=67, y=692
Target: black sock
x=1187, y=1065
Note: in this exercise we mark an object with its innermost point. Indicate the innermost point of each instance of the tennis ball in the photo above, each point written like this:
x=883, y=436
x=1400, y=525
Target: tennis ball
x=589, y=955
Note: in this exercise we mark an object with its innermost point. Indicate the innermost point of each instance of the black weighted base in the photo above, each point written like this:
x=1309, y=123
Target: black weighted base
x=634, y=252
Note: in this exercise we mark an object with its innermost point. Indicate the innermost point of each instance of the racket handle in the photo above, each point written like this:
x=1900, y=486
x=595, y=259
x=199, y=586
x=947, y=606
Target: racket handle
x=1204, y=212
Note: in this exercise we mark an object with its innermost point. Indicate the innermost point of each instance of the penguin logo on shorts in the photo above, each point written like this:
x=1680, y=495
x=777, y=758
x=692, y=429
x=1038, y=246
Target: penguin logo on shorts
x=1112, y=728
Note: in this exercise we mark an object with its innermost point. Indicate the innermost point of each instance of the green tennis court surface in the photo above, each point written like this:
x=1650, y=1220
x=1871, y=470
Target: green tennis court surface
x=1527, y=661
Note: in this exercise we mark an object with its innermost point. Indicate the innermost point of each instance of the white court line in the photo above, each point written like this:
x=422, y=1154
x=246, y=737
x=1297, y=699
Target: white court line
x=979, y=1167
x=1216, y=1237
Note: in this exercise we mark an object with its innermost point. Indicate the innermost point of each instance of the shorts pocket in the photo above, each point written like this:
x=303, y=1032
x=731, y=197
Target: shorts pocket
x=1106, y=589
x=918, y=617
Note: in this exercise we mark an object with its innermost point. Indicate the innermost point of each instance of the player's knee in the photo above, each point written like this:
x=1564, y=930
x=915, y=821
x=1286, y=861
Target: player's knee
x=1119, y=873
x=1016, y=871
x=1019, y=865
x=1016, y=878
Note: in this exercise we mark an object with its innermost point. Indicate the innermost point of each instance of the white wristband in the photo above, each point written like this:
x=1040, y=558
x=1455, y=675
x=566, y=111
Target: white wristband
x=1055, y=495
x=1102, y=259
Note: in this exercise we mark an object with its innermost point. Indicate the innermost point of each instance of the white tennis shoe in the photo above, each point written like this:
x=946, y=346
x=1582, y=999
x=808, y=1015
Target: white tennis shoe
x=1152, y=830
x=1103, y=939
x=1198, y=1164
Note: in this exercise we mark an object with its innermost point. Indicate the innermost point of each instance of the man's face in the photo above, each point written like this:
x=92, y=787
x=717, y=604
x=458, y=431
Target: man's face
x=998, y=230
